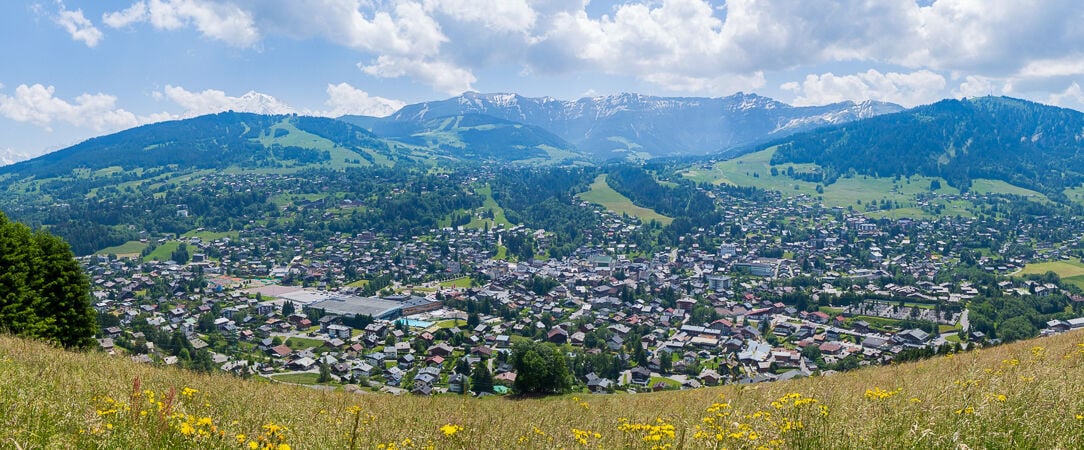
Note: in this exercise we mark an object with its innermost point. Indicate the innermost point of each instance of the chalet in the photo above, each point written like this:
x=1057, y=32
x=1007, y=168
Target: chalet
x=505, y=377
x=831, y=348
x=376, y=358
x=759, y=314
x=686, y=303
x=106, y=344
x=1057, y=326
x=912, y=337
x=709, y=377
x=376, y=329
x=598, y=385
x=440, y=349
x=557, y=335
x=457, y=383
x=873, y=342
x=361, y=369
x=640, y=376
x=304, y=363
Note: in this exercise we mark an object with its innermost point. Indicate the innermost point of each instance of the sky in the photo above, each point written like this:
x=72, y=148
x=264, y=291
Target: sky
x=74, y=69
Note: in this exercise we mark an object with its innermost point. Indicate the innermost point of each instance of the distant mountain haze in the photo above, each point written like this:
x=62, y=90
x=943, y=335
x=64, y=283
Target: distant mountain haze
x=615, y=126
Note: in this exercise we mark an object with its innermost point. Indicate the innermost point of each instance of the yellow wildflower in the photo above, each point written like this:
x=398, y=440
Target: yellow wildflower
x=450, y=430
x=186, y=429
x=880, y=394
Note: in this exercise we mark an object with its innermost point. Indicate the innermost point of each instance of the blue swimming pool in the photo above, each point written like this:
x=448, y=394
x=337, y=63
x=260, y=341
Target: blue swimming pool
x=415, y=323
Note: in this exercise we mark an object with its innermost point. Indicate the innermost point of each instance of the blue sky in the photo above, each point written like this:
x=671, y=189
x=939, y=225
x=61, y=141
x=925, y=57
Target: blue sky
x=74, y=69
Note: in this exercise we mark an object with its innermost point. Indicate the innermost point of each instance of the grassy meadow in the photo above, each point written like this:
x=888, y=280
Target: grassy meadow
x=130, y=248
x=1023, y=395
x=489, y=203
x=1071, y=271
x=602, y=194
x=754, y=169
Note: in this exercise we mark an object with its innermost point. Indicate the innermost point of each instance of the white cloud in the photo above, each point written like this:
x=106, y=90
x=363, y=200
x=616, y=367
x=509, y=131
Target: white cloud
x=79, y=27
x=134, y=14
x=37, y=104
x=211, y=101
x=977, y=86
x=1071, y=97
x=1072, y=65
x=226, y=21
x=497, y=15
x=717, y=85
x=678, y=45
x=344, y=99
x=441, y=76
x=908, y=89
x=995, y=38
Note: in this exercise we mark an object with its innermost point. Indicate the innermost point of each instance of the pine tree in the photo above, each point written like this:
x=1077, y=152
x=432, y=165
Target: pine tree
x=481, y=379
x=43, y=291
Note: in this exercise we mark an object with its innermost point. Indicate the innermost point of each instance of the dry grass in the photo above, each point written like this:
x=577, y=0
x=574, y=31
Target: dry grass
x=1024, y=395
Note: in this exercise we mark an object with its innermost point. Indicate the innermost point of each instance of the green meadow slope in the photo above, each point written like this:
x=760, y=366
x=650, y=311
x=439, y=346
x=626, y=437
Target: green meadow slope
x=1024, y=395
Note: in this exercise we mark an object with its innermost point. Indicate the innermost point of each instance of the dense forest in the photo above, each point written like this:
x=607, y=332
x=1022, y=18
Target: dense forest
x=689, y=206
x=545, y=199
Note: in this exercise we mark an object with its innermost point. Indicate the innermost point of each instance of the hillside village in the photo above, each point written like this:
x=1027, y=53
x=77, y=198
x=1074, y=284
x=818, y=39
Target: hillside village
x=781, y=289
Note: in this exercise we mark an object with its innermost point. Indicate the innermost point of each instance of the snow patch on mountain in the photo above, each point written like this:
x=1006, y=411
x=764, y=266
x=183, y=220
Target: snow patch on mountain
x=10, y=156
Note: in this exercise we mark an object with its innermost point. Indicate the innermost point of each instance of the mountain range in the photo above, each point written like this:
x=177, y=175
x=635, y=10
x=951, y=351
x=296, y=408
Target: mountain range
x=623, y=125
x=1023, y=143
x=479, y=127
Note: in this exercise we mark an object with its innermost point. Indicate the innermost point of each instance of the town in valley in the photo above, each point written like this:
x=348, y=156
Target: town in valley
x=778, y=287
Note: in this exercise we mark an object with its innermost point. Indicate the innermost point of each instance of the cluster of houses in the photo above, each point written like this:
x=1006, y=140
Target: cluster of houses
x=710, y=308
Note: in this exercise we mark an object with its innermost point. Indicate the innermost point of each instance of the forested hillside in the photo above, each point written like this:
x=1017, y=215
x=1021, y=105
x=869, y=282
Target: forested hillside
x=1023, y=143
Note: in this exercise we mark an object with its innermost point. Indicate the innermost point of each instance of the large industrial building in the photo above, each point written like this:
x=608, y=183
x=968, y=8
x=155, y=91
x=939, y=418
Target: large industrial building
x=379, y=308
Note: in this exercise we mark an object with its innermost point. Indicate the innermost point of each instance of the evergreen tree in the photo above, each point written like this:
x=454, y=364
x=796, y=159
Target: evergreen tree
x=462, y=366
x=325, y=374
x=481, y=380
x=43, y=291
x=180, y=256
x=666, y=362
